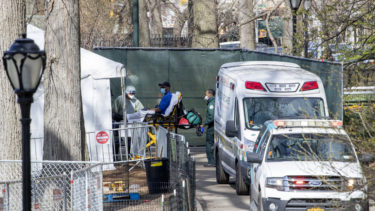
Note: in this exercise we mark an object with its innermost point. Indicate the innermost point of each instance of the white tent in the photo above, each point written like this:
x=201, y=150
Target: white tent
x=96, y=71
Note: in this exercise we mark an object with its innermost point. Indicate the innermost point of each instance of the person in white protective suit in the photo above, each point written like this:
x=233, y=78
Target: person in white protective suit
x=133, y=105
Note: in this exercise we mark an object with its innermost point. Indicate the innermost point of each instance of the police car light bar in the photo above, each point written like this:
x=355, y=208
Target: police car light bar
x=308, y=123
x=309, y=85
x=254, y=85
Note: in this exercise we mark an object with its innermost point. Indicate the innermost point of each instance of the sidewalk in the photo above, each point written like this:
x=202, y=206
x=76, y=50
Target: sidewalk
x=213, y=196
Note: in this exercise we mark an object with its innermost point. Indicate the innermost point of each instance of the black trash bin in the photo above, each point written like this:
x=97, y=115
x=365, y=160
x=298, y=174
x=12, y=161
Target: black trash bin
x=157, y=173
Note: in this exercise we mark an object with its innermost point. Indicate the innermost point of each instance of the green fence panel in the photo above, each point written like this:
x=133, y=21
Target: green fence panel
x=192, y=71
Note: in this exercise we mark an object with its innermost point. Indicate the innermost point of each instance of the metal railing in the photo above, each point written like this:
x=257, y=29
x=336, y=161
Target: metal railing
x=123, y=143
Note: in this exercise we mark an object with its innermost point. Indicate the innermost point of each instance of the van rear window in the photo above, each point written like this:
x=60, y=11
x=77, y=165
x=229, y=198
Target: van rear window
x=260, y=109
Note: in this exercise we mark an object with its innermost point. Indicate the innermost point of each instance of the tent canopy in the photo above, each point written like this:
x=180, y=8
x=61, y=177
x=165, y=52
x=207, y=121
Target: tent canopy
x=92, y=64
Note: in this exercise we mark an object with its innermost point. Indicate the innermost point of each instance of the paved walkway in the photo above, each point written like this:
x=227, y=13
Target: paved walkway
x=213, y=196
x=216, y=197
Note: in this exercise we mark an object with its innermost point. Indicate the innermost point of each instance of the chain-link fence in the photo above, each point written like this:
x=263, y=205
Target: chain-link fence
x=182, y=171
x=162, y=181
x=53, y=186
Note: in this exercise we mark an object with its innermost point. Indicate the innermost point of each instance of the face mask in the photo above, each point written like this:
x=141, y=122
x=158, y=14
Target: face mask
x=162, y=90
x=206, y=98
x=131, y=96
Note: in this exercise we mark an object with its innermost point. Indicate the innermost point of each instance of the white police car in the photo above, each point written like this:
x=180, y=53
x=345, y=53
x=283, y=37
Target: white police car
x=305, y=165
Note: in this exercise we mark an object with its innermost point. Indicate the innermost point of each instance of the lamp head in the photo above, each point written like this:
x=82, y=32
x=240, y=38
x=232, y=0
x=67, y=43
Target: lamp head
x=295, y=4
x=24, y=64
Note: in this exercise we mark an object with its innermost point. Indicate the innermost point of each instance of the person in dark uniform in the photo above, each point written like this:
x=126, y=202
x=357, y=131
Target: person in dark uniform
x=210, y=98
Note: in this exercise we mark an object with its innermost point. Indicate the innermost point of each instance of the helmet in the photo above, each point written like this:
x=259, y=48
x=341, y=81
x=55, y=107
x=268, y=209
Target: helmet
x=130, y=90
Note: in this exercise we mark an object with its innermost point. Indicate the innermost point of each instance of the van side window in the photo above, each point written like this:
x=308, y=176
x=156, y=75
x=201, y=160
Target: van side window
x=258, y=139
x=237, y=118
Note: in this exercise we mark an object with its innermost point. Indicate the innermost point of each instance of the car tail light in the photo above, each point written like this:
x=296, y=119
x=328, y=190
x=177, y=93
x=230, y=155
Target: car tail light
x=309, y=85
x=254, y=86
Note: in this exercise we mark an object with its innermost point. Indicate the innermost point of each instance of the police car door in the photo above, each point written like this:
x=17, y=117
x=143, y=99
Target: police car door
x=255, y=172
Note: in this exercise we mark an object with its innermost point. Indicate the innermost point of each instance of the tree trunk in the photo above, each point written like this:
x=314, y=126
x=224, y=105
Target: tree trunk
x=155, y=19
x=63, y=118
x=125, y=20
x=247, y=28
x=205, y=26
x=12, y=14
x=181, y=19
x=144, y=30
x=288, y=30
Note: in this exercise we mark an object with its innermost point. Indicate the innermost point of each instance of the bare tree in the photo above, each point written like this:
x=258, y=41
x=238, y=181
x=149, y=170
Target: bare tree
x=269, y=13
x=156, y=24
x=107, y=23
x=124, y=17
x=247, y=27
x=63, y=118
x=181, y=16
x=205, y=25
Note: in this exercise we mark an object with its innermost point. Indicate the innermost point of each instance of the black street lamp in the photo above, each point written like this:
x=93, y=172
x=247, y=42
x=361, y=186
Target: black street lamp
x=24, y=64
x=294, y=4
x=306, y=6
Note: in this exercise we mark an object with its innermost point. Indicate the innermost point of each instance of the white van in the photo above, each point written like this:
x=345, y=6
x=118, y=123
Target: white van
x=247, y=95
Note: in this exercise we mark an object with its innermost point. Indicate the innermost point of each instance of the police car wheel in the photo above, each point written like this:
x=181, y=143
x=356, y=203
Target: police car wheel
x=241, y=187
x=221, y=176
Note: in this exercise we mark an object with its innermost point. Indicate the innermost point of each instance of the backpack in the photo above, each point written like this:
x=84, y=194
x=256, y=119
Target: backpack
x=194, y=118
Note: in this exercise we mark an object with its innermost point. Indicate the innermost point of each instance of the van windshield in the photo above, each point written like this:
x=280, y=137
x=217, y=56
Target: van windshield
x=310, y=147
x=260, y=109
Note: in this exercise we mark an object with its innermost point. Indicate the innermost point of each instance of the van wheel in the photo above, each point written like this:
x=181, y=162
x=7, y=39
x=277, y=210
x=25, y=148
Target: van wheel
x=241, y=187
x=221, y=176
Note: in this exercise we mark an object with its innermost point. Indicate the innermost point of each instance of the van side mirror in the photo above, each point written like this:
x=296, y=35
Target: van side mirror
x=230, y=129
x=253, y=157
x=366, y=158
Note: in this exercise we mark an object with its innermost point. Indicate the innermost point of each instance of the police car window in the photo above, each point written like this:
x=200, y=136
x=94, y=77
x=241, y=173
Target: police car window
x=260, y=109
x=258, y=138
x=310, y=147
x=263, y=143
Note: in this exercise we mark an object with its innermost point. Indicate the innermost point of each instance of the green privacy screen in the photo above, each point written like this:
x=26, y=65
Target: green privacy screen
x=192, y=71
